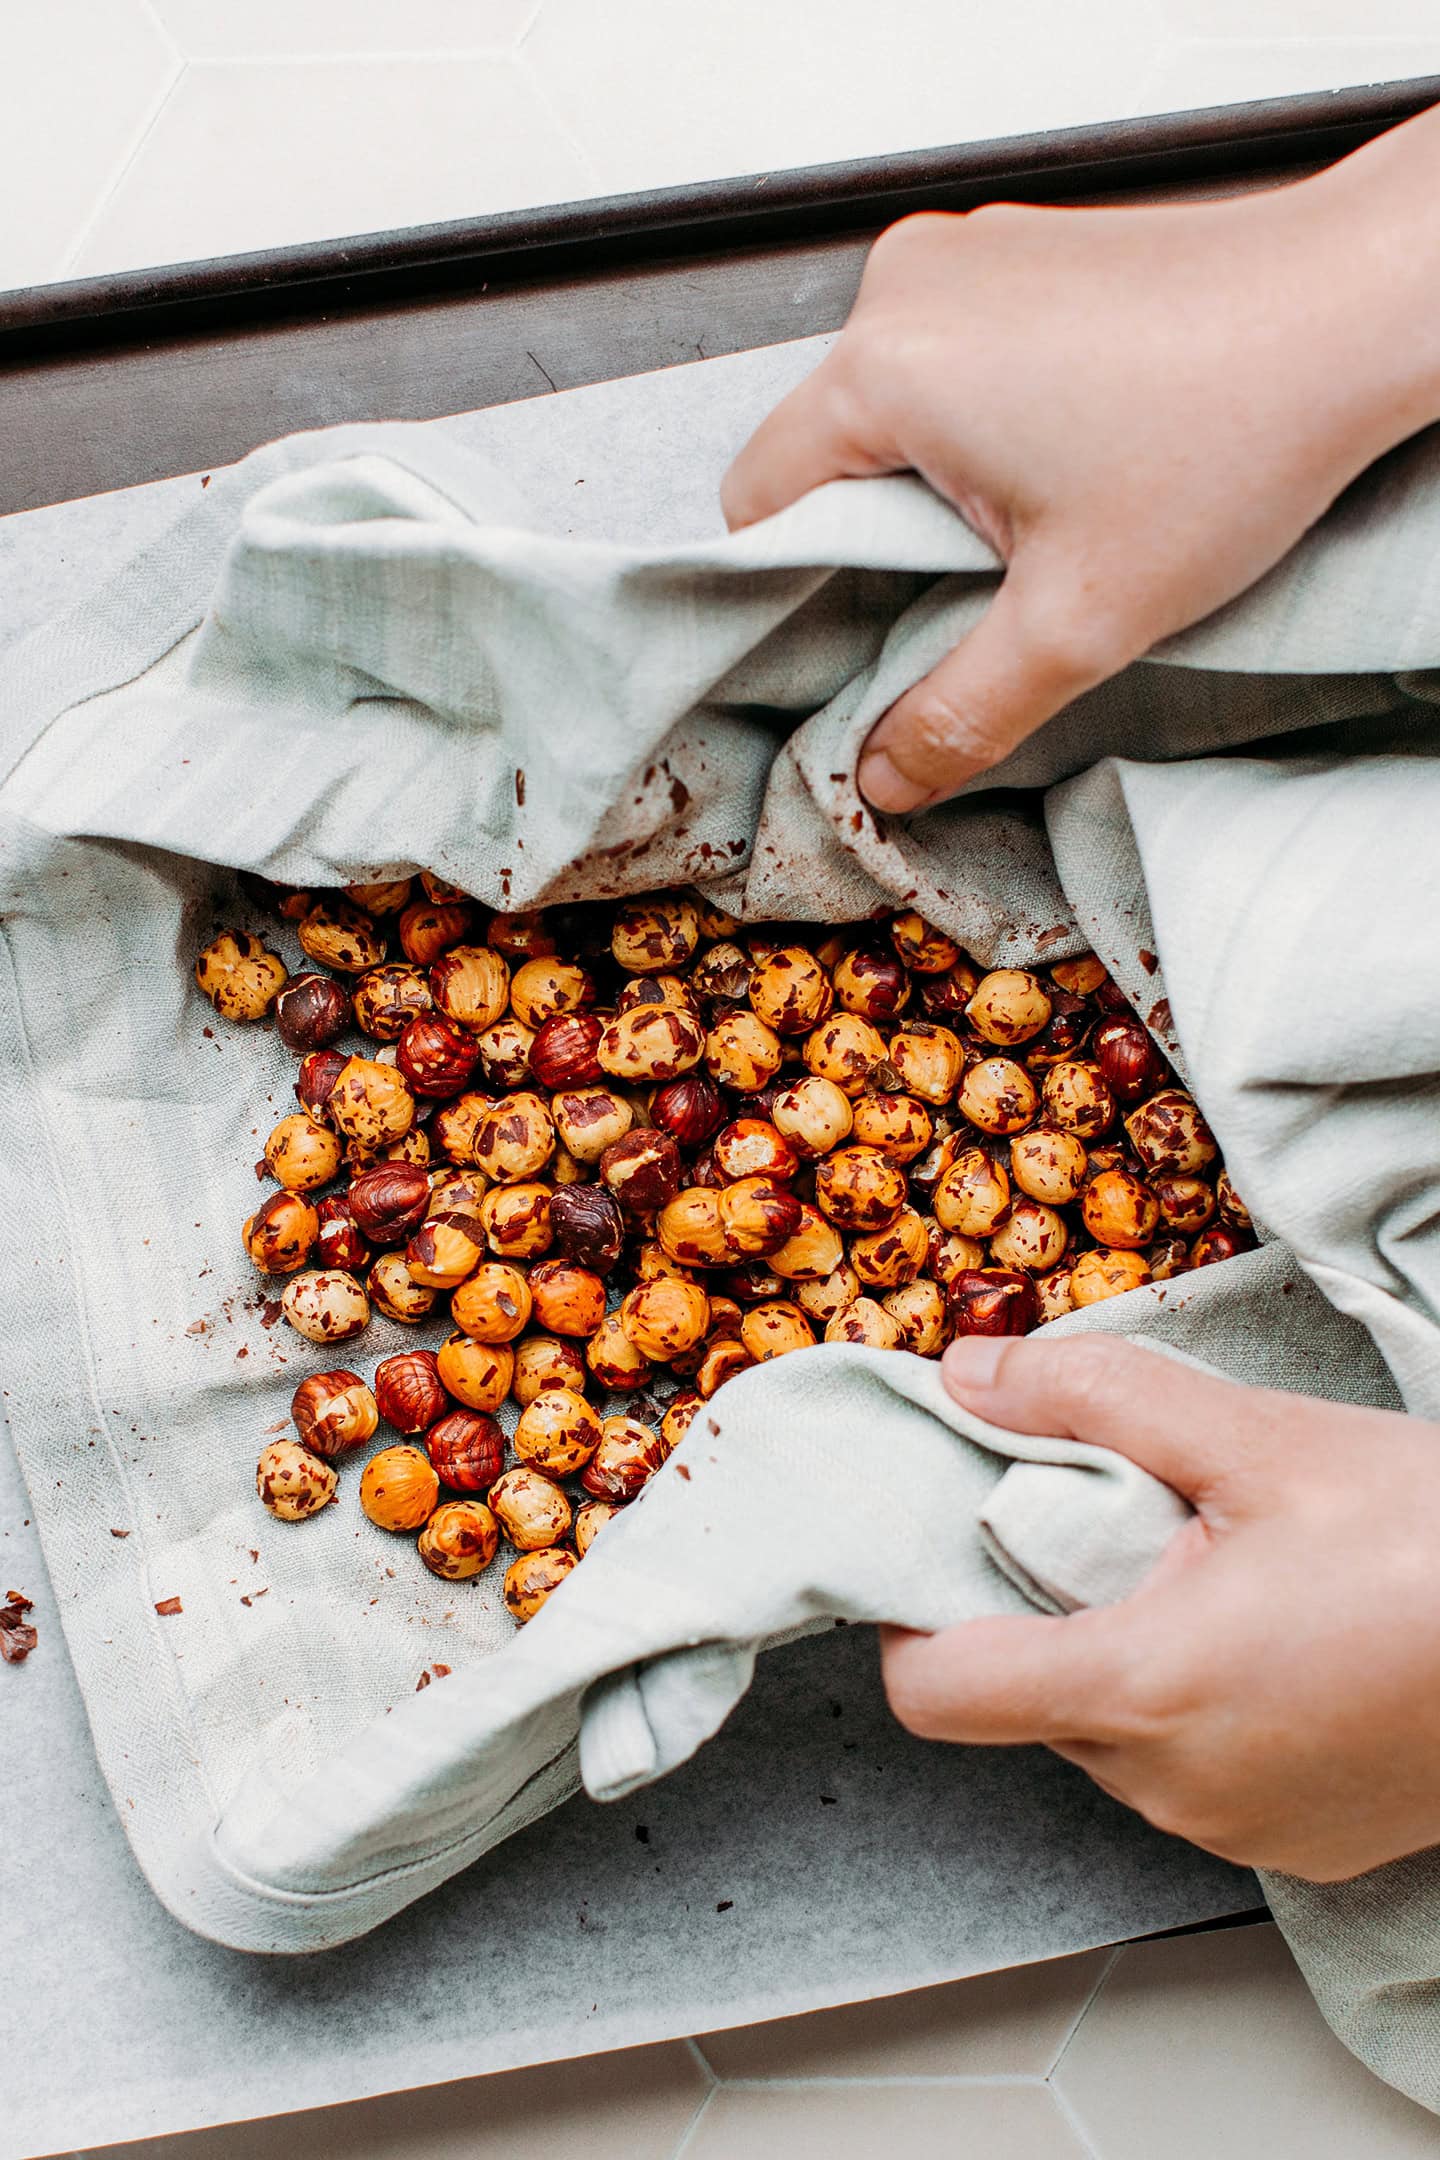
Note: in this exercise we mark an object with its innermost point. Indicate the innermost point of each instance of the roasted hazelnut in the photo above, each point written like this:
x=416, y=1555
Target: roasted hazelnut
x=388, y=998
x=1077, y=1098
x=336, y=934
x=918, y=1310
x=870, y=982
x=558, y=1433
x=525, y=935
x=436, y=1057
x=389, y=1200
x=752, y=1147
x=517, y=1221
x=742, y=1053
x=1127, y=1056
x=541, y=989
x=466, y=1450
x=440, y=889
x=530, y=1509
x=565, y=1170
x=1053, y=1297
x=455, y=1192
x=845, y=1050
x=1032, y=1238
x=408, y=1391
x=642, y=1171
x=333, y=1411
x=1083, y=976
x=859, y=1188
x=770, y=1330
x=652, y=1263
x=338, y=1241
x=384, y=897
x=300, y=1154
x=898, y=1125
x=565, y=1052
x=813, y=1250
x=590, y=1119
x=656, y=990
x=626, y=1459
x=1105, y=1273
x=292, y=1482
x=494, y=1305
x=585, y=1223
x=1167, y=1257
x=591, y=1519
x=1048, y=1165
x=470, y=984
x=532, y=1577
x=813, y=1115
x=505, y=1048
x=664, y=1319
x=411, y=1147
x=680, y=1414
x=652, y=935
x=240, y=975
x=1168, y=1133
x=751, y=1283
x=1064, y=1034
x=431, y=928
x=395, y=1292
x=866, y=1322
x=952, y=1254
x=325, y=1305
x=757, y=1216
x=927, y=1060
x=478, y=1374
x=1112, y=1000
x=651, y=1042
x=315, y=1082
x=722, y=975
x=1220, y=1242
x=547, y=1361
x=991, y=1301
x=924, y=949
x=691, y=1230
x=460, y=1540
x=281, y=1235
x=886, y=1258
x=445, y=1250
x=370, y=1103
x=1120, y=1210
x=822, y=1300
x=1229, y=1206
x=515, y=1140
x=704, y=1170
x=723, y=1358
x=567, y=1299
x=399, y=1489
x=614, y=1359
x=791, y=992
x=999, y=1096
x=689, y=1109
x=1009, y=1006
x=310, y=1012
x=1186, y=1203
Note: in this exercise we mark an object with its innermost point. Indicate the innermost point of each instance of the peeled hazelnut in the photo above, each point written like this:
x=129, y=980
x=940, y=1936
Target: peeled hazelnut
x=999, y=1096
x=385, y=897
x=494, y=1305
x=656, y=990
x=370, y=1103
x=1168, y=1133
x=791, y=992
x=866, y=1322
x=886, y=1258
x=558, y=1433
x=924, y=949
x=505, y=1049
x=338, y=1242
x=689, y=1109
x=586, y=1225
x=408, y=1393
x=547, y=1361
x=651, y=1042
x=652, y=1264
x=722, y=975
x=460, y=1540
x=757, y=1216
x=813, y=1251
x=845, y=1050
x=642, y=1171
x=752, y=1147
x=680, y=1414
x=565, y=1170
x=691, y=1231
x=1032, y=1238
x=470, y=984
x=281, y=1234
x=722, y=1360
x=466, y=1450
x=859, y=1188
x=530, y=1509
x=918, y=1310
x=1186, y=1203
x=515, y=1140
x=440, y=889
x=946, y=996
x=310, y=1012
x=590, y=1119
x=655, y=934
x=627, y=1457
x=1219, y=1243
x=1064, y=1034
x=453, y=1127
x=531, y=1578
x=614, y=1359
x=1168, y=1257
x=411, y=1147
x=1009, y=1006
x=388, y=998
x=896, y=1124
x=1120, y=1210
x=1083, y=976
x=301, y=1155
x=871, y=982
x=928, y=1060
x=431, y=928
x=566, y=1299
x=1052, y=1292
x=1078, y=1099
x=389, y=1200
x=336, y=934
x=813, y=1116
x=395, y=1292
x=991, y=1301
x=822, y=1300
x=477, y=1374
x=315, y=1081
x=522, y=936
x=565, y=1052
x=399, y=1489
x=542, y=988
x=591, y=1519
x=240, y=975
x=742, y=1053
x=517, y=1221
x=445, y=1250
x=664, y=1319
x=292, y=1482
x=1229, y=1206
x=771, y=1330
x=749, y=1284
x=1105, y=1274
x=325, y=1305
x=333, y=1411
x=1048, y=1165
x=455, y=1192
x=952, y=1254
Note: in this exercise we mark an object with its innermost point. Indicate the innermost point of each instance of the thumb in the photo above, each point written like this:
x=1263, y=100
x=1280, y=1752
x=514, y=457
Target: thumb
x=1036, y=647
x=1016, y=1680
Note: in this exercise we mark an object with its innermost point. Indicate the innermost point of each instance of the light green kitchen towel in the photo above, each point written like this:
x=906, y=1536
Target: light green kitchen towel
x=354, y=657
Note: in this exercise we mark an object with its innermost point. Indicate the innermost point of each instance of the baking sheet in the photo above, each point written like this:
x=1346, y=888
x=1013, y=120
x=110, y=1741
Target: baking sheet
x=887, y=1863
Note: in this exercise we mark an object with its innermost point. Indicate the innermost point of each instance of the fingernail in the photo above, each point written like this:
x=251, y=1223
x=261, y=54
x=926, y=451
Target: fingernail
x=973, y=1362
x=885, y=786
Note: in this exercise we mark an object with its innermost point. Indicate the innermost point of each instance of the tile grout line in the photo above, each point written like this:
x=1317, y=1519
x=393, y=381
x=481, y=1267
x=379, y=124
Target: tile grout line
x=961, y=2079
x=108, y=192
x=687, y=2135
x=1117, y=1952
x=699, y=2054
x=380, y=55
x=1072, y=2122
x=530, y=21
x=561, y=126
x=162, y=30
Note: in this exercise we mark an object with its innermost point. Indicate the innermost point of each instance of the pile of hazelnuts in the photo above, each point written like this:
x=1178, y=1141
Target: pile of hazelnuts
x=636, y=1143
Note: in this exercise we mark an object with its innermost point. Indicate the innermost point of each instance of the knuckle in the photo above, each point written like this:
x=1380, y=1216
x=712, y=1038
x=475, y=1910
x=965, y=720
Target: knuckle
x=1076, y=639
x=919, y=234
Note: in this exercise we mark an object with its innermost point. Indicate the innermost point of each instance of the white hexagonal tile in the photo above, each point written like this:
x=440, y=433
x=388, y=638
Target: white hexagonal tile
x=924, y=2122
x=280, y=29
x=1308, y=19
x=1206, y=71
x=80, y=81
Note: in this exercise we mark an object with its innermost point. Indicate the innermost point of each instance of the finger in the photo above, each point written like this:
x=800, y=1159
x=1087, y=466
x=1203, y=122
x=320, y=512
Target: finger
x=1188, y=1428
x=821, y=431
x=1017, y=668
x=1015, y=1680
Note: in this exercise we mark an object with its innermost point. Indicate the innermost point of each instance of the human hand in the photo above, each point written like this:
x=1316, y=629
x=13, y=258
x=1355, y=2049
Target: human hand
x=1141, y=410
x=1272, y=1691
